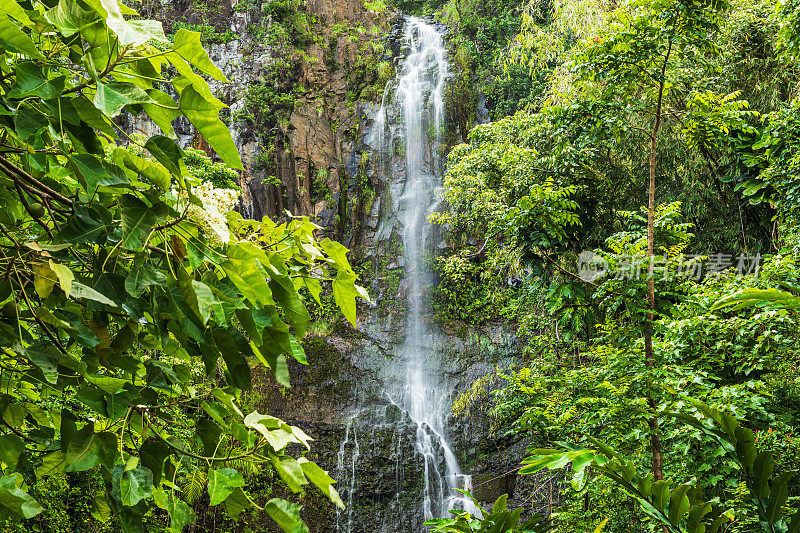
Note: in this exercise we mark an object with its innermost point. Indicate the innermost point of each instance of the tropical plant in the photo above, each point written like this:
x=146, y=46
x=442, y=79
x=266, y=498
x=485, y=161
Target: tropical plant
x=498, y=519
x=130, y=297
x=683, y=509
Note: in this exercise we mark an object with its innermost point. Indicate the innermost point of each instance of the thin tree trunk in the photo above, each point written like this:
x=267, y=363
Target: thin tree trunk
x=655, y=432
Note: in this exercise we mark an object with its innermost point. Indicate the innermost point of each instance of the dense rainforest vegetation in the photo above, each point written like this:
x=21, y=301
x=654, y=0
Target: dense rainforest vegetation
x=627, y=207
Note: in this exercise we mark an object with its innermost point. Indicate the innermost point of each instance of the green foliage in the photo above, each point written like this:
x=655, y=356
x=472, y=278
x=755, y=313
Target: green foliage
x=208, y=33
x=497, y=520
x=725, y=168
x=134, y=304
x=683, y=509
x=218, y=174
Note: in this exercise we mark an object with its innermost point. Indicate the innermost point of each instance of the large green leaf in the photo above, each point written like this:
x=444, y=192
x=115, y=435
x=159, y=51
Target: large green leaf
x=16, y=39
x=237, y=502
x=68, y=17
x=245, y=272
x=52, y=463
x=142, y=276
x=111, y=97
x=96, y=173
x=153, y=172
x=221, y=484
x=138, y=220
x=203, y=114
x=82, y=227
x=131, y=31
x=289, y=471
x=15, y=11
x=286, y=515
x=187, y=44
x=321, y=479
x=237, y=365
x=284, y=292
x=180, y=515
x=136, y=485
x=79, y=290
x=32, y=81
x=163, y=110
x=11, y=446
x=83, y=451
x=344, y=294
x=17, y=500
x=46, y=356
x=168, y=153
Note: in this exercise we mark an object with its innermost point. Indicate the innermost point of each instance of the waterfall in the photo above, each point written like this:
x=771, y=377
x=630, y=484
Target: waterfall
x=419, y=100
x=416, y=398
x=347, y=459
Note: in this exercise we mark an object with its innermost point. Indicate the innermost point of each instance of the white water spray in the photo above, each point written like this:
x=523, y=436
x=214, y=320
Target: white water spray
x=419, y=96
x=408, y=129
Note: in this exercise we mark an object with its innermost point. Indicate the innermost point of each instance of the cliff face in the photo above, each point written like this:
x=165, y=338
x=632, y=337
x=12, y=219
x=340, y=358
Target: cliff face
x=300, y=77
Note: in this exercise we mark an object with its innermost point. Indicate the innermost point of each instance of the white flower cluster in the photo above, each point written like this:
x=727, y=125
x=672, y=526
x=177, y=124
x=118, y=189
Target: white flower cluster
x=216, y=202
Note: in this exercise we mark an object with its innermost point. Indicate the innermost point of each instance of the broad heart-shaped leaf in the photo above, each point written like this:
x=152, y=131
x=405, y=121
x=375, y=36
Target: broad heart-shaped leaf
x=143, y=275
x=138, y=220
x=203, y=115
x=289, y=471
x=101, y=511
x=321, y=479
x=96, y=173
x=82, y=227
x=163, y=111
x=344, y=294
x=11, y=447
x=29, y=121
x=286, y=515
x=180, y=515
x=187, y=44
x=52, y=463
x=136, y=485
x=15, y=39
x=46, y=356
x=133, y=31
x=246, y=273
x=111, y=97
x=17, y=500
x=15, y=11
x=237, y=365
x=284, y=292
x=207, y=302
x=92, y=116
x=168, y=153
x=153, y=172
x=221, y=484
x=30, y=80
x=68, y=17
x=83, y=451
x=237, y=502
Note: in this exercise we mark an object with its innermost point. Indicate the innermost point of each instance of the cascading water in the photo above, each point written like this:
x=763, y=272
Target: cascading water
x=409, y=124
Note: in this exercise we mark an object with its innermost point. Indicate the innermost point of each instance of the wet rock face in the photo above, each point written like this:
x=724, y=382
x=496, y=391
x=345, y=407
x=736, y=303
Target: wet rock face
x=339, y=400
x=299, y=163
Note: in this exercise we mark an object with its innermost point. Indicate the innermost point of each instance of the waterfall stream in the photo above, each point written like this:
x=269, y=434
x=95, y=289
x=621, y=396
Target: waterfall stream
x=409, y=125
